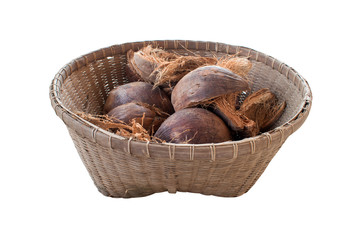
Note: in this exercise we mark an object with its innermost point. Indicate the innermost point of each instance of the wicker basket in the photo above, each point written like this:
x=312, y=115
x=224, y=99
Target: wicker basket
x=126, y=168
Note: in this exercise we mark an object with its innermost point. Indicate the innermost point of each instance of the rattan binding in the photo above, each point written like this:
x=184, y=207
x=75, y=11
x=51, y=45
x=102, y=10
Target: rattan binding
x=127, y=168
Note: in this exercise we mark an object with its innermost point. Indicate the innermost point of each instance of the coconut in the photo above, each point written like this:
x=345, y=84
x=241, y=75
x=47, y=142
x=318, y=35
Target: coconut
x=204, y=84
x=139, y=92
x=193, y=125
x=148, y=116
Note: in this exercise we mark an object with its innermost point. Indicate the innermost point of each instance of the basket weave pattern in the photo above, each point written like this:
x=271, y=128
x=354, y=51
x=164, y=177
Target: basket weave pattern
x=123, y=167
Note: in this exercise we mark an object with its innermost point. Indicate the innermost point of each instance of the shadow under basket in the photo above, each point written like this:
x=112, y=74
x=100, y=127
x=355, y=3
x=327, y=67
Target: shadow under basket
x=122, y=167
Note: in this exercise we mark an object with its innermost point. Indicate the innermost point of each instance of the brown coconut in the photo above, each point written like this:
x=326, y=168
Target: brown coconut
x=193, y=125
x=140, y=92
x=148, y=116
x=204, y=84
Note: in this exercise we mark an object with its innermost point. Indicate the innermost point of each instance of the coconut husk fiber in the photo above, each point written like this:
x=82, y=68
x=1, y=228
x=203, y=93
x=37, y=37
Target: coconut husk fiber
x=258, y=112
x=239, y=65
x=263, y=107
x=170, y=72
x=133, y=129
x=226, y=108
x=142, y=63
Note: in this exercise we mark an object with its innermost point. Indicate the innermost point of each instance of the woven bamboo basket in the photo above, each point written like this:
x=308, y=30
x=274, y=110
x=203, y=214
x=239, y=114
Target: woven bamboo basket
x=126, y=168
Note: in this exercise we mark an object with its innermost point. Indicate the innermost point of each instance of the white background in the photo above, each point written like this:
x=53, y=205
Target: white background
x=310, y=189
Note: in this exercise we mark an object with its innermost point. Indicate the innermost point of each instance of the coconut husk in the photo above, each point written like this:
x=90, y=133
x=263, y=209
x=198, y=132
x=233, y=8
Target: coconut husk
x=263, y=107
x=239, y=65
x=226, y=108
x=133, y=129
x=168, y=73
x=142, y=64
x=157, y=55
x=257, y=113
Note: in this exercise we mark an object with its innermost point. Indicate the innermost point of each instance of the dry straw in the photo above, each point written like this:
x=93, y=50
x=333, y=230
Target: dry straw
x=127, y=167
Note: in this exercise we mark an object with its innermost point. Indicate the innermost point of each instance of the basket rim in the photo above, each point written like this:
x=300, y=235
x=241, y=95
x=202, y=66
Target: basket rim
x=107, y=139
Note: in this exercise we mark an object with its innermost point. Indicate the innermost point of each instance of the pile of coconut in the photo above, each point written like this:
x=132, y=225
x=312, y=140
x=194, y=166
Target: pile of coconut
x=187, y=99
